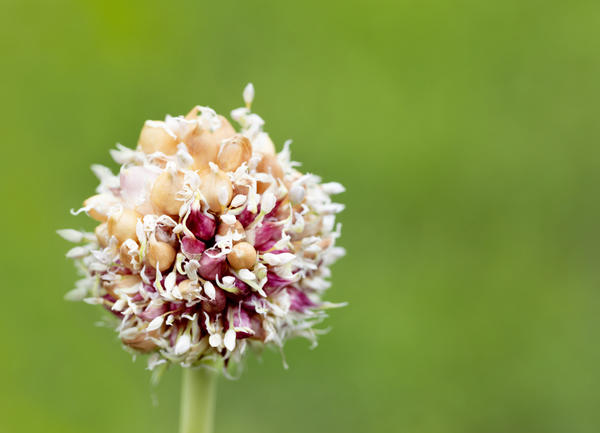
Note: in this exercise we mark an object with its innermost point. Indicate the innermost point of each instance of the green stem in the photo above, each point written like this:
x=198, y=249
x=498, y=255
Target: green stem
x=198, y=399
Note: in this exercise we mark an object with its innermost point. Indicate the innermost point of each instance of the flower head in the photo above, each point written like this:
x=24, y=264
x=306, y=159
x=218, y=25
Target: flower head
x=208, y=240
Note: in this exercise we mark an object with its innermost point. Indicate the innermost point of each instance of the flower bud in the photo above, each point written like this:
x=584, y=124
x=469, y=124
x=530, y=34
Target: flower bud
x=122, y=225
x=234, y=152
x=164, y=192
x=156, y=138
x=211, y=266
x=102, y=235
x=216, y=189
x=201, y=225
x=242, y=256
x=204, y=144
x=160, y=254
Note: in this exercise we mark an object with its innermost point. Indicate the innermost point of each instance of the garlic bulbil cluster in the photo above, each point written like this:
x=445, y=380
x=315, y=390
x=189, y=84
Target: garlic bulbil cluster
x=208, y=241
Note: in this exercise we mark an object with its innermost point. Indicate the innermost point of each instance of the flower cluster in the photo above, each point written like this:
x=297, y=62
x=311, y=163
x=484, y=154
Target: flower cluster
x=209, y=241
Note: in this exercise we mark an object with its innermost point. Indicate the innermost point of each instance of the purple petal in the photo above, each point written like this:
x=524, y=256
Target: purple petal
x=153, y=311
x=246, y=217
x=192, y=247
x=173, y=336
x=216, y=305
x=249, y=302
x=275, y=209
x=202, y=225
x=241, y=318
x=243, y=290
x=280, y=251
x=275, y=283
x=299, y=301
x=245, y=319
x=149, y=288
x=211, y=266
x=266, y=236
x=137, y=297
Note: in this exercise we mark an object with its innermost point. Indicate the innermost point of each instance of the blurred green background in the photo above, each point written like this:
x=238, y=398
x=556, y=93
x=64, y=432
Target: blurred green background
x=466, y=133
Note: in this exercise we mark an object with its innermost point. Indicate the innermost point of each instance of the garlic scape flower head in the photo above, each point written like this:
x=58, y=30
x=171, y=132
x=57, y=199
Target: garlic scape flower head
x=208, y=241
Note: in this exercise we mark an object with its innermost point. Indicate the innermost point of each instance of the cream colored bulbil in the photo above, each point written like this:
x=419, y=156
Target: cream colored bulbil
x=209, y=241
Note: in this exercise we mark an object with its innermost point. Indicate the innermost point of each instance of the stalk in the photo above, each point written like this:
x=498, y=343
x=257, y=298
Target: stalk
x=198, y=400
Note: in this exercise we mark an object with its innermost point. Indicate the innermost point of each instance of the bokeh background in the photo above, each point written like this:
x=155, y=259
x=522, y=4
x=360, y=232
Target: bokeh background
x=466, y=133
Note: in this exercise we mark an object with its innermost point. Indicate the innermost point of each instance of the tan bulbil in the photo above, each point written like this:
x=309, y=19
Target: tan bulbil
x=125, y=281
x=204, y=144
x=242, y=188
x=283, y=211
x=155, y=138
x=268, y=164
x=142, y=341
x=102, y=235
x=122, y=225
x=242, y=256
x=323, y=244
x=161, y=254
x=263, y=144
x=235, y=228
x=186, y=287
x=216, y=189
x=163, y=195
x=98, y=206
x=234, y=152
x=128, y=260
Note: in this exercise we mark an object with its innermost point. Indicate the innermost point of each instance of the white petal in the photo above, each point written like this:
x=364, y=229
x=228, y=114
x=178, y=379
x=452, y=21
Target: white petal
x=267, y=202
x=77, y=294
x=77, y=252
x=230, y=340
x=119, y=305
x=228, y=219
x=297, y=193
x=139, y=231
x=333, y=188
x=215, y=340
x=70, y=235
x=222, y=195
x=239, y=113
x=238, y=200
x=209, y=289
x=155, y=324
x=170, y=281
x=278, y=259
x=246, y=274
x=183, y=344
x=248, y=94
